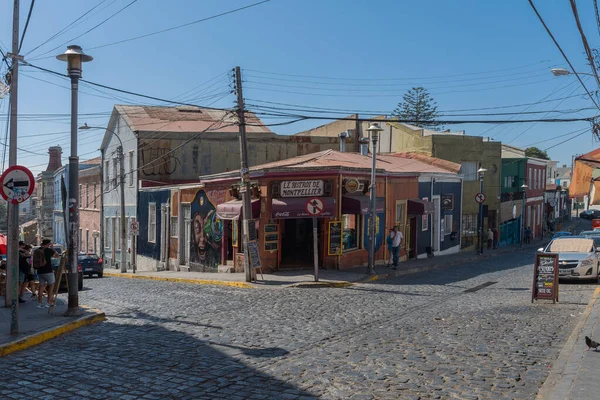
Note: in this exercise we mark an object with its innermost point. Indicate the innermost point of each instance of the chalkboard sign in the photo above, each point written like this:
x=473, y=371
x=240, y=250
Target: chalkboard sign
x=334, y=243
x=271, y=246
x=545, y=277
x=254, y=254
x=252, y=229
x=272, y=228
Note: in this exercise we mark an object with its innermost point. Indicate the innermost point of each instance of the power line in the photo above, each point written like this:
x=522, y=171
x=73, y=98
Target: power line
x=563, y=53
x=566, y=140
x=597, y=15
x=26, y=24
x=586, y=45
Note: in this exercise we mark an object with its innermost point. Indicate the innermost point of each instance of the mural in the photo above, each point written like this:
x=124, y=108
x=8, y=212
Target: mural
x=379, y=229
x=206, y=235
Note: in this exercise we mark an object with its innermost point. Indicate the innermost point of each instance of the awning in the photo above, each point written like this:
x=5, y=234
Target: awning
x=307, y=207
x=361, y=205
x=233, y=209
x=420, y=207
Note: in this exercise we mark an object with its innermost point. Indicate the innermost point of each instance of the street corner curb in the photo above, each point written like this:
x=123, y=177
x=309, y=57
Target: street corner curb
x=244, y=285
x=328, y=284
x=48, y=334
x=564, y=370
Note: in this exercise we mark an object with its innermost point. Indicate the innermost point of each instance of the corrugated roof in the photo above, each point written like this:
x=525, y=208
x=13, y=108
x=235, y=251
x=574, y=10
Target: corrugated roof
x=186, y=119
x=438, y=162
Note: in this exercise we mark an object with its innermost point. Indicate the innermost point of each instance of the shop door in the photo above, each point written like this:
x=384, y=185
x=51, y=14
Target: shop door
x=187, y=229
x=296, y=243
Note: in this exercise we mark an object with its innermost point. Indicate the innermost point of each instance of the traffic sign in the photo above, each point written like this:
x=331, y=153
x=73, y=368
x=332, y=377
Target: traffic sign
x=314, y=206
x=134, y=227
x=480, y=197
x=17, y=184
x=552, y=202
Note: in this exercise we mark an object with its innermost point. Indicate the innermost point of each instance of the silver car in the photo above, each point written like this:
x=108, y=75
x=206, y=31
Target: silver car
x=577, y=257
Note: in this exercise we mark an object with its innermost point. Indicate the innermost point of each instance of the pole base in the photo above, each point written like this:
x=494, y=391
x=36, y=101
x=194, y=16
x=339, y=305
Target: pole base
x=73, y=312
x=370, y=271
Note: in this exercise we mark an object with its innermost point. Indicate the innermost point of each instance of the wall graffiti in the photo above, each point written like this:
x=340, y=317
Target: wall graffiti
x=158, y=161
x=207, y=234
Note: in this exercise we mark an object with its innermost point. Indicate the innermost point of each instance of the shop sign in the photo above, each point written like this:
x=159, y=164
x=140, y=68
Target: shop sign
x=302, y=188
x=447, y=201
x=352, y=185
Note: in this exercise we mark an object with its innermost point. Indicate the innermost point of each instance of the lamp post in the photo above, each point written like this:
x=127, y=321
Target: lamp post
x=524, y=200
x=481, y=171
x=74, y=57
x=564, y=72
x=373, y=130
x=123, y=224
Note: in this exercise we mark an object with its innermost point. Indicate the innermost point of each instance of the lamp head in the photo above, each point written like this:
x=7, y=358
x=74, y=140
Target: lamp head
x=74, y=56
x=84, y=127
x=374, y=130
x=560, y=71
x=481, y=170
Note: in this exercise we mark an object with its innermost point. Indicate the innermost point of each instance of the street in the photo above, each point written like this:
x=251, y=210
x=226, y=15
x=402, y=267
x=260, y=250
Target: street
x=465, y=332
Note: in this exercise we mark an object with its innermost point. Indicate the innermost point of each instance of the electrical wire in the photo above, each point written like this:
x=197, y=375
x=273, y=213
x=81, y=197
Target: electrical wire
x=584, y=40
x=26, y=25
x=597, y=15
x=566, y=140
x=562, y=52
x=556, y=137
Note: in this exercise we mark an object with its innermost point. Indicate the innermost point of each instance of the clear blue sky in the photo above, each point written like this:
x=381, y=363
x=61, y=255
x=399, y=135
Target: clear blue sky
x=468, y=53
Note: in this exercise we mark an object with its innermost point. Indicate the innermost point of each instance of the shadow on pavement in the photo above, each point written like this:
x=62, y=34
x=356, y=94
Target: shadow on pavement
x=114, y=360
x=139, y=315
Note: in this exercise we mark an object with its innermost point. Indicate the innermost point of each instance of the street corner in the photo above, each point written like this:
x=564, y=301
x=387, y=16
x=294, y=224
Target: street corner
x=321, y=284
x=90, y=316
x=194, y=281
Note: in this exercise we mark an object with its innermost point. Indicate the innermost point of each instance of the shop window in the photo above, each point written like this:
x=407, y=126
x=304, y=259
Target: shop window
x=152, y=222
x=401, y=216
x=468, y=230
x=351, y=230
x=448, y=224
x=174, y=227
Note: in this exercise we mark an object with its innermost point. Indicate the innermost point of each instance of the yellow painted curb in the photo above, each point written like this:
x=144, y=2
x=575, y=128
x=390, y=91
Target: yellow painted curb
x=372, y=278
x=44, y=336
x=334, y=284
x=245, y=285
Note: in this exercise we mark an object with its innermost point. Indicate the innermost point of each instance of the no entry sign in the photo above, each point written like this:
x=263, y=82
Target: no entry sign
x=480, y=197
x=17, y=184
x=314, y=206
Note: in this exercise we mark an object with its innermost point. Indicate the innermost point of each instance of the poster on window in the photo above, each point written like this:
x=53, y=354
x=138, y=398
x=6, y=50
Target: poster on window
x=379, y=228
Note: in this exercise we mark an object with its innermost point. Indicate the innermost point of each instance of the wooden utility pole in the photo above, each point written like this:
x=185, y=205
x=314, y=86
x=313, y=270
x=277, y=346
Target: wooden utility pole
x=244, y=172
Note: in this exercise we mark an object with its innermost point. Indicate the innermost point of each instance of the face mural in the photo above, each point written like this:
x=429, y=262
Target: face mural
x=207, y=233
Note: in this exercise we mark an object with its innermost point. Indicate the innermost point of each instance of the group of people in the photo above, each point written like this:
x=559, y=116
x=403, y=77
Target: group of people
x=37, y=266
x=493, y=238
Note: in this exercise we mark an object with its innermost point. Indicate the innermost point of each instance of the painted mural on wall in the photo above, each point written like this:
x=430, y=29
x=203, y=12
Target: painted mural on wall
x=379, y=231
x=207, y=234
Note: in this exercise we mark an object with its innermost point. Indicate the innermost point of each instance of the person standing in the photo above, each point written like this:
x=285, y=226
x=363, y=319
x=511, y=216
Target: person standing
x=490, y=238
x=42, y=261
x=25, y=271
x=496, y=238
x=396, y=245
x=390, y=241
x=528, y=235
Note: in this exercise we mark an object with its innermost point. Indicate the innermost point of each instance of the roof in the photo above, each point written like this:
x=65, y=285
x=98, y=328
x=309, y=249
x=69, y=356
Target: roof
x=92, y=161
x=332, y=159
x=186, y=119
x=438, y=162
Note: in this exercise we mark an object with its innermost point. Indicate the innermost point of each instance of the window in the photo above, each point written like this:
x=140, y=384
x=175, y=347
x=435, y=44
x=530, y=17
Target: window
x=448, y=224
x=106, y=232
x=95, y=199
x=152, y=222
x=80, y=198
x=131, y=168
x=401, y=215
x=174, y=227
x=80, y=236
x=528, y=216
x=87, y=240
x=509, y=181
x=350, y=231
x=469, y=170
x=106, y=176
x=87, y=195
x=530, y=180
x=115, y=172
x=468, y=230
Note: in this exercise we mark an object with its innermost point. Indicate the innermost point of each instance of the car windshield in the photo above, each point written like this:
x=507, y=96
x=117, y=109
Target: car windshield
x=571, y=245
x=92, y=257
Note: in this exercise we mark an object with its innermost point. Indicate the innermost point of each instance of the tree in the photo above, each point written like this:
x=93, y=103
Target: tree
x=419, y=108
x=537, y=153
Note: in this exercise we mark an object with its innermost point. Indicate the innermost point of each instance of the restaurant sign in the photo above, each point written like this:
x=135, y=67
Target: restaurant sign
x=301, y=188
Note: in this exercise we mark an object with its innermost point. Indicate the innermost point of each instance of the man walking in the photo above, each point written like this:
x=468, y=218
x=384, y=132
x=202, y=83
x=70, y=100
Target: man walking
x=396, y=245
x=42, y=261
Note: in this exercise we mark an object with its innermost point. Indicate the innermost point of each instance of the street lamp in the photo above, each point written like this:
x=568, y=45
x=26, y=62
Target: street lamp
x=481, y=171
x=373, y=130
x=524, y=200
x=563, y=72
x=123, y=224
x=74, y=57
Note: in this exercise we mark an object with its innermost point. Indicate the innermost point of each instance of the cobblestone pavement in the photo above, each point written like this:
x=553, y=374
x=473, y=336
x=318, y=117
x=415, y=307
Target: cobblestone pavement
x=420, y=336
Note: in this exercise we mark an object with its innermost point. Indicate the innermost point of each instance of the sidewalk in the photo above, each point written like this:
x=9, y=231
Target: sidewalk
x=37, y=325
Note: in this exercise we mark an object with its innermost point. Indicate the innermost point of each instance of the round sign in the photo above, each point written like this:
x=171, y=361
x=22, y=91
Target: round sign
x=351, y=185
x=134, y=226
x=314, y=206
x=480, y=197
x=17, y=184
x=552, y=202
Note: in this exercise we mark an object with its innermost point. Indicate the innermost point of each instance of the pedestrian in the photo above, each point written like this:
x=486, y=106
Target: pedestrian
x=528, y=235
x=396, y=245
x=42, y=261
x=496, y=238
x=490, y=238
x=25, y=271
x=390, y=241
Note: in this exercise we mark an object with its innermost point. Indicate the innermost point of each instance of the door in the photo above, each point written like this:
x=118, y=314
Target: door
x=113, y=248
x=186, y=234
x=435, y=225
x=164, y=233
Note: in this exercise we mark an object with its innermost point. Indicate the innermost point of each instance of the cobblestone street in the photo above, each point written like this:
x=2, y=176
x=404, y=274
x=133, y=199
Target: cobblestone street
x=431, y=335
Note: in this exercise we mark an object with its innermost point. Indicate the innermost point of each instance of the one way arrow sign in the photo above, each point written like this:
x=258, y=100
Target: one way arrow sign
x=17, y=184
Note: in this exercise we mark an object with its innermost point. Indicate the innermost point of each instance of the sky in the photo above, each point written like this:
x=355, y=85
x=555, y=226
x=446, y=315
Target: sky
x=360, y=55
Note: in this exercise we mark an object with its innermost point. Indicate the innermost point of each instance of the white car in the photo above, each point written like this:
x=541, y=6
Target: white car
x=578, y=257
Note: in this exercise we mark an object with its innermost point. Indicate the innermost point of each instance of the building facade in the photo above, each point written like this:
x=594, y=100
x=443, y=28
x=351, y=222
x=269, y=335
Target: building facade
x=44, y=199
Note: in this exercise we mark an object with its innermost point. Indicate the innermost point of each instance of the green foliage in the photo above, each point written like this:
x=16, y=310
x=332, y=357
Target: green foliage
x=536, y=153
x=419, y=108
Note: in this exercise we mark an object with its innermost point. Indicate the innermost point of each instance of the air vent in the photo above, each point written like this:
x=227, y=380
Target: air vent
x=189, y=109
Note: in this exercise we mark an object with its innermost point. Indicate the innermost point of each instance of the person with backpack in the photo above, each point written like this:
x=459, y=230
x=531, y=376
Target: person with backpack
x=42, y=262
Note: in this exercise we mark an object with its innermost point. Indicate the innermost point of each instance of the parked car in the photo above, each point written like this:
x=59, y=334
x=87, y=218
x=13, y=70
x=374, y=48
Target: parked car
x=56, y=264
x=589, y=214
x=577, y=257
x=91, y=264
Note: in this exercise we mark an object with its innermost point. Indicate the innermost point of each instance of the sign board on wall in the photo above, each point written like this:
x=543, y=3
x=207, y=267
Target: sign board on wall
x=301, y=188
x=334, y=240
x=447, y=201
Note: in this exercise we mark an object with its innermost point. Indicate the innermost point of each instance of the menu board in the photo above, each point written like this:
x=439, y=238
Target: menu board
x=254, y=254
x=271, y=238
x=545, y=277
x=334, y=243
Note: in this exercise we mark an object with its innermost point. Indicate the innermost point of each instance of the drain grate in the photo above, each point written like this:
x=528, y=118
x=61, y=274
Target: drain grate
x=482, y=286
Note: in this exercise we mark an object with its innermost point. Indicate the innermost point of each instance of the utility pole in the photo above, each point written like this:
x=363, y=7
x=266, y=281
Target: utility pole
x=244, y=172
x=123, y=223
x=12, y=256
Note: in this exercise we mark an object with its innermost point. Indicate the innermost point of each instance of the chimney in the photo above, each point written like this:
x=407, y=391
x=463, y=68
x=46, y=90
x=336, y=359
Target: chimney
x=364, y=146
x=343, y=137
x=54, y=162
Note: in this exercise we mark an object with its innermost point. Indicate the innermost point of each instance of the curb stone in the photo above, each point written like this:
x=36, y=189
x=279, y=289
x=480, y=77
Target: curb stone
x=48, y=334
x=245, y=285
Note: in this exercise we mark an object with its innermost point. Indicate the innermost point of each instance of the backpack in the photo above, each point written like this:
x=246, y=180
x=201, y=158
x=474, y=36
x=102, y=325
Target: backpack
x=39, y=258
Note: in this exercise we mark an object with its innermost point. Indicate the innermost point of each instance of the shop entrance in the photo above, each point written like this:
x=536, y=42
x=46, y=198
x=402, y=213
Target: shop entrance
x=297, y=243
